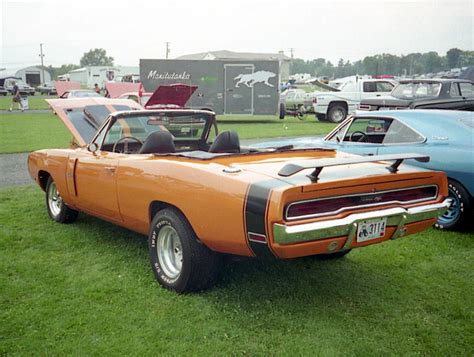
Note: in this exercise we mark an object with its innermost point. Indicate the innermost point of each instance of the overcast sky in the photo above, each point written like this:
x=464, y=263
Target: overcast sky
x=130, y=30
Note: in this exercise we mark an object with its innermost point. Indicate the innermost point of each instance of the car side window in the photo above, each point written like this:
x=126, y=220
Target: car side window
x=384, y=86
x=370, y=87
x=454, y=91
x=399, y=133
x=467, y=89
x=368, y=130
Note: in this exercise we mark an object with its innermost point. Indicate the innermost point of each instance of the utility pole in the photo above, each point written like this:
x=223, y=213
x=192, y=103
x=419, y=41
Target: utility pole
x=42, y=65
x=167, y=49
x=291, y=53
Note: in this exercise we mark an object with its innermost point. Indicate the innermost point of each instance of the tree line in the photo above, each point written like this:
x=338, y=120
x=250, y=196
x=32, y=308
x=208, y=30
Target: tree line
x=93, y=57
x=404, y=65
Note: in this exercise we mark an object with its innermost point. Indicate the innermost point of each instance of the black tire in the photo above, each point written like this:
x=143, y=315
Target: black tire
x=282, y=111
x=57, y=209
x=336, y=113
x=197, y=267
x=459, y=214
x=336, y=255
x=321, y=117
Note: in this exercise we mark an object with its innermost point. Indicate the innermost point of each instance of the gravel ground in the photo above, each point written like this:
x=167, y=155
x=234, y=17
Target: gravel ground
x=14, y=170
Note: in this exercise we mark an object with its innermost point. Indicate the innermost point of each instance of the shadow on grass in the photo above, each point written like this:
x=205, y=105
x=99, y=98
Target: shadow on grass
x=252, y=283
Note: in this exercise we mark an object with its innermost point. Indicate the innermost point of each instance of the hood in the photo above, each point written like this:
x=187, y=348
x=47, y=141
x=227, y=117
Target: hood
x=116, y=89
x=64, y=86
x=174, y=94
x=84, y=116
x=325, y=86
x=388, y=101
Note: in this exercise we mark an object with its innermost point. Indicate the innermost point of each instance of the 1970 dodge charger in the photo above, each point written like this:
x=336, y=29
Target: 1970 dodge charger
x=198, y=195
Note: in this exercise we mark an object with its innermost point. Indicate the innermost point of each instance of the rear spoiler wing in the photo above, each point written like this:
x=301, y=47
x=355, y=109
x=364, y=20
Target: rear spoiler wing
x=318, y=165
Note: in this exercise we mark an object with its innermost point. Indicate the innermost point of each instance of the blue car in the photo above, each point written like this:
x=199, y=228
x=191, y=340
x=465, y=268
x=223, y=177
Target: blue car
x=446, y=136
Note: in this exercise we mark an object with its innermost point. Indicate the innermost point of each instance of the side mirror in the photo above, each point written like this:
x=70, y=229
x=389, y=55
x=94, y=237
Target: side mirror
x=92, y=147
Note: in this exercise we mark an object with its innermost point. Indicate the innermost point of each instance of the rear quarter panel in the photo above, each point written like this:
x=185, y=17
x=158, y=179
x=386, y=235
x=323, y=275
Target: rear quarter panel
x=211, y=200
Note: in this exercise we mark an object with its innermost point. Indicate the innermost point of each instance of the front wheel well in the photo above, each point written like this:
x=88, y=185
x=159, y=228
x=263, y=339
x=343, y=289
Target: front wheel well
x=43, y=177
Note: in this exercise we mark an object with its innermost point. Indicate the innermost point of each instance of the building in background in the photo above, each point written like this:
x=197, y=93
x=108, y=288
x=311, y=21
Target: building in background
x=232, y=87
x=88, y=76
x=225, y=55
x=32, y=75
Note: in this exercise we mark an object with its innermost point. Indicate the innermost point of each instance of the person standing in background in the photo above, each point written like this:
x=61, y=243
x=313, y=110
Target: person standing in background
x=16, y=97
x=96, y=88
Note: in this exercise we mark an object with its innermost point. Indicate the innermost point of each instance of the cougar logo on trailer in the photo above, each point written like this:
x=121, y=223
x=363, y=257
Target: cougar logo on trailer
x=249, y=79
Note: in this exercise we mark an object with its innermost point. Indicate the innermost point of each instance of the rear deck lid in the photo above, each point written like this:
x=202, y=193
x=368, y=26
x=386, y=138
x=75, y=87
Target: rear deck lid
x=84, y=116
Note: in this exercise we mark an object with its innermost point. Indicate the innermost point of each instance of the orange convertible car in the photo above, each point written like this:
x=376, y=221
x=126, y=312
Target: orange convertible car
x=199, y=194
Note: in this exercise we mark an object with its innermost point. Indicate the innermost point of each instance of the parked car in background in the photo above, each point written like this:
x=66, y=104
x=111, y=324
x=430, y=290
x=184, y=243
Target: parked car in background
x=79, y=93
x=456, y=94
x=335, y=106
x=3, y=91
x=47, y=88
x=24, y=88
x=296, y=100
x=445, y=136
x=198, y=195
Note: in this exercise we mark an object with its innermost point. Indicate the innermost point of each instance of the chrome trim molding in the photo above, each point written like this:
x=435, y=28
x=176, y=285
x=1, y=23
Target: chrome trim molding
x=347, y=226
x=361, y=206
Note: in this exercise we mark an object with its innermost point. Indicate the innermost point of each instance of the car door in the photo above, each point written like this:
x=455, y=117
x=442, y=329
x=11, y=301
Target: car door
x=95, y=182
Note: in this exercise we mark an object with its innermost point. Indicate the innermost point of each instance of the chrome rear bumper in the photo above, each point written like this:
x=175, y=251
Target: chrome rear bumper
x=347, y=226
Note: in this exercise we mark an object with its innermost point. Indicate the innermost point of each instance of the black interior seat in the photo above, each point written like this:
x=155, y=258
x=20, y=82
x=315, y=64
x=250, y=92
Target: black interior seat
x=226, y=142
x=158, y=142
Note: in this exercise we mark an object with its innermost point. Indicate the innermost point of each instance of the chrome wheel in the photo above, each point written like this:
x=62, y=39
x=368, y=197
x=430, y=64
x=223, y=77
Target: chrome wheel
x=170, y=252
x=454, y=211
x=338, y=116
x=54, y=200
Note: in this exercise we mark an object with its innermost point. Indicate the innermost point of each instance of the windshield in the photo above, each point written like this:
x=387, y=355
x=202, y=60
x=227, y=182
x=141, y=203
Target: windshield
x=183, y=126
x=416, y=90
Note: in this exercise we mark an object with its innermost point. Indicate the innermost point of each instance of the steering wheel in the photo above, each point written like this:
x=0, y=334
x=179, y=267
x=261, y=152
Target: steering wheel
x=363, y=136
x=125, y=145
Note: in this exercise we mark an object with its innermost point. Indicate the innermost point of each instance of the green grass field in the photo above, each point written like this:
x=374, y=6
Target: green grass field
x=32, y=131
x=34, y=102
x=87, y=289
x=28, y=132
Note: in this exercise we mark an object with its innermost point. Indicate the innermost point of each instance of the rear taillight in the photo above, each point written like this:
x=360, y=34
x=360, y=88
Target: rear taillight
x=335, y=205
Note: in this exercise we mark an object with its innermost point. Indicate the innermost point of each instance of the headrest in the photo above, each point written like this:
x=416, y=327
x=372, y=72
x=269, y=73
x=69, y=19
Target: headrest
x=158, y=142
x=226, y=142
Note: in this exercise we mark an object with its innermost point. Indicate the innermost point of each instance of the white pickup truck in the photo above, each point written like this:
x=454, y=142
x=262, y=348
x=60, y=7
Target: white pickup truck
x=334, y=106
